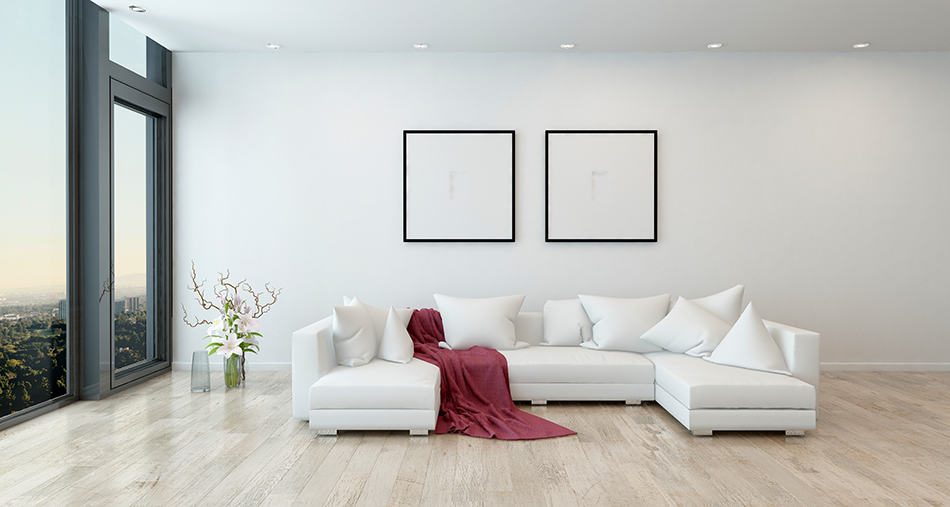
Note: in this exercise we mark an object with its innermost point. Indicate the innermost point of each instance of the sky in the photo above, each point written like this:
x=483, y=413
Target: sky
x=129, y=218
x=32, y=144
x=33, y=152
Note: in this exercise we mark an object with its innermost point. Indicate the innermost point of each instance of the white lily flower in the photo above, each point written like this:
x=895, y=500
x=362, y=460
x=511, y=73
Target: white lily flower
x=251, y=339
x=216, y=327
x=246, y=323
x=230, y=345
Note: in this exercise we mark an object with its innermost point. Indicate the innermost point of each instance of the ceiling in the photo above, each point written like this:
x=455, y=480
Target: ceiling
x=542, y=25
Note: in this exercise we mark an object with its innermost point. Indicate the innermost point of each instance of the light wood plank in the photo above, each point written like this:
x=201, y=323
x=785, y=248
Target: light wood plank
x=882, y=438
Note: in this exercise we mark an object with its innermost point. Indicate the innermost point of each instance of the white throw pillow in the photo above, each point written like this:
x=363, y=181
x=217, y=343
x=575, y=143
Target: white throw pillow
x=377, y=314
x=727, y=305
x=395, y=344
x=688, y=329
x=749, y=345
x=354, y=338
x=619, y=323
x=565, y=323
x=488, y=322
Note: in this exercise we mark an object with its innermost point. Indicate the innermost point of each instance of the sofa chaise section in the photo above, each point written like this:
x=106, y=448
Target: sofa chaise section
x=381, y=395
x=707, y=397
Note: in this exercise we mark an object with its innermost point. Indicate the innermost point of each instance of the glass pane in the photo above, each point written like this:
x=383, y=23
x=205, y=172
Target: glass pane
x=127, y=46
x=33, y=176
x=130, y=236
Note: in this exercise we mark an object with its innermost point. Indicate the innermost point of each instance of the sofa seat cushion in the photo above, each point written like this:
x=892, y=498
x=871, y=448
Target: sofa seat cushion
x=699, y=384
x=576, y=365
x=378, y=384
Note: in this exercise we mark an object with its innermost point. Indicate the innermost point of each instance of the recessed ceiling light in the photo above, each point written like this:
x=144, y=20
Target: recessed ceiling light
x=136, y=8
x=861, y=45
x=714, y=45
x=569, y=45
x=271, y=45
x=420, y=45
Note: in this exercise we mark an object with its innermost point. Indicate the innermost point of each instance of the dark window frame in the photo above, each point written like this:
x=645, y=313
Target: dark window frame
x=159, y=216
x=106, y=81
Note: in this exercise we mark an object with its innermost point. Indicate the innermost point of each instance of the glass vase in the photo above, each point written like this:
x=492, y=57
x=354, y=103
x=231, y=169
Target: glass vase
x=200, y=372
x=232, y=371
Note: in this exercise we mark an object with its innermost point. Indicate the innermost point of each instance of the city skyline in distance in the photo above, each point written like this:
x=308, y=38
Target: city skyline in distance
x=125, y=286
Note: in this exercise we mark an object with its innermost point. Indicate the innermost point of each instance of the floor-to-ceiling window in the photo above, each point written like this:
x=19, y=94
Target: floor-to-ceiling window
x=130, y=233
x=85, y=205
x=34, y=308
x=140, y=195
x=133, y=342
x=139, y=221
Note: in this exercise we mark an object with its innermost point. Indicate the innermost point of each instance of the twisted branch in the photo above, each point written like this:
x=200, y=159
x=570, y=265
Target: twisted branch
x=223, y=286
x=261, y=309
x=198, y=289
x=223, y=289
x=195, y=322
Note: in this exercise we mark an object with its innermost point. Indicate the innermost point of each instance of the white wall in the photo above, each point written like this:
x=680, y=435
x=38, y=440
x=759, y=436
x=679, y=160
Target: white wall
x=819, y=181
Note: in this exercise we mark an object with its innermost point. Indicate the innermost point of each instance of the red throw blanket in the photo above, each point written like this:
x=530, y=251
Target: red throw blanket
x=476, y=400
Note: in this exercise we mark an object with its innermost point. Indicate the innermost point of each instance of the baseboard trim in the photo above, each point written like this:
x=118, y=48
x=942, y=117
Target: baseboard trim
x=217, y=364
x=889, y=366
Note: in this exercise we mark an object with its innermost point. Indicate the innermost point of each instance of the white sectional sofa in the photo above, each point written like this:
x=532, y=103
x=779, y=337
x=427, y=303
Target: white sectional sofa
x=703, y=396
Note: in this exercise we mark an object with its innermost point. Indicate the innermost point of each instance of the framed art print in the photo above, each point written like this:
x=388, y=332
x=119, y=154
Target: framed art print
x=600, y=185
x=458, y=185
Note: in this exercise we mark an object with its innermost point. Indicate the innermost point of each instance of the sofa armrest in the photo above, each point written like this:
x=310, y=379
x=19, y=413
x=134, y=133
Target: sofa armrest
x=311, y=358
x=800, y=348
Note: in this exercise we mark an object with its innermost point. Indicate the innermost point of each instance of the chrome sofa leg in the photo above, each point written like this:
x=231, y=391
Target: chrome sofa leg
x=419, y=433
x=539, y=402
x=326, y=433
x=633, y=402
x=702, y=433
x=794, y=433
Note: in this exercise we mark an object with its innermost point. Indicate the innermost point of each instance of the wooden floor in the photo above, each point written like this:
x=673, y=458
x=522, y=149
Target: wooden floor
x=882, y=438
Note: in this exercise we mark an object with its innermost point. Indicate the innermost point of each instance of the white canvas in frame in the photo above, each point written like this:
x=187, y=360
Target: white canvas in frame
x=459, y=186
x=601, y=186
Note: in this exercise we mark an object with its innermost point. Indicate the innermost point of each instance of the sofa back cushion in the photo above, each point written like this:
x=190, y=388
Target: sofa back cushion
x=395, y=344
x=750, y=345
x=727, y=305
x=565, y=323
x=619, y=322
x=354, y=336
x=485, y=322
x=379, y=315
x=688, y=329
x=529, y=328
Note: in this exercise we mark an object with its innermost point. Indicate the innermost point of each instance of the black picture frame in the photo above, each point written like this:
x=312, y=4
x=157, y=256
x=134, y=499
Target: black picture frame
x=405, y=182
x=547, y=200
